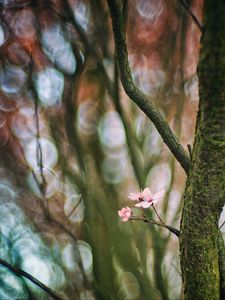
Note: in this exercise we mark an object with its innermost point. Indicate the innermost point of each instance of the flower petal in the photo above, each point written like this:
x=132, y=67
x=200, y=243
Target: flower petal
x=139, y=204
x=158, y=195
x=146, y=194
x=134, y=196
x=144, y=204
x=120, y=213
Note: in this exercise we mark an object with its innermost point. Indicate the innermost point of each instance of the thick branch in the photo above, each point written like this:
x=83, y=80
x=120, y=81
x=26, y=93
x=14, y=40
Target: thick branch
x=20, y=272
x=135, y=94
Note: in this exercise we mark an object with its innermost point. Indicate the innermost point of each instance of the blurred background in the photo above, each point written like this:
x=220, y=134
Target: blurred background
x=73, y=145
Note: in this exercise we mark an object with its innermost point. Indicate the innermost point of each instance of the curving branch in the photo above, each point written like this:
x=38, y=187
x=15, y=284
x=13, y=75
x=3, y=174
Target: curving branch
x=20, y=272
x=135, y=94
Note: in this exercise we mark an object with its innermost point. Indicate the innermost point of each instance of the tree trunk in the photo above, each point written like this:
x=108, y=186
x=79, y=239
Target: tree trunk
x=201, y=245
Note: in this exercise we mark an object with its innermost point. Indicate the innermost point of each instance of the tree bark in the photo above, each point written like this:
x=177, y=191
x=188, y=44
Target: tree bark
x=201, y=244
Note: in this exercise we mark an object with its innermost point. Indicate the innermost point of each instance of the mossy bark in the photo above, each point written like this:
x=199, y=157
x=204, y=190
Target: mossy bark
x=201, y=245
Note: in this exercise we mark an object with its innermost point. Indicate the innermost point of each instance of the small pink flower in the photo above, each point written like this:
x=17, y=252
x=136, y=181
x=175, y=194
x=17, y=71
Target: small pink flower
x=149, y=199
x=125, y=213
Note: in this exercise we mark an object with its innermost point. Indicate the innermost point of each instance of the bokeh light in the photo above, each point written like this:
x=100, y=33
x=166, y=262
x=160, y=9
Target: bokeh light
x=58, y=49
x=49, y=84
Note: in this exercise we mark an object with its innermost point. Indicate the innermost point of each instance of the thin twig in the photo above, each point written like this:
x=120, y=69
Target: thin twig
x=42, y=186
x=136, y=95
x=195, y=19
x=69, y=18
x=39, y=155
x=74, y=208
x=88, y=46
x=222, y=224
x=144, y=219
x=20, y=272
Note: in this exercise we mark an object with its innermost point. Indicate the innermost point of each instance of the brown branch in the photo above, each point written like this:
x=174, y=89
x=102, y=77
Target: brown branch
x=150, y=221
x=20, y=272
x=135, y=94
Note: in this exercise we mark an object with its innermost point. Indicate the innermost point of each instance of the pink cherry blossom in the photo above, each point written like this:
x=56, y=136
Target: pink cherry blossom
x=125, y=213
x=137, y=196
x=149, y=199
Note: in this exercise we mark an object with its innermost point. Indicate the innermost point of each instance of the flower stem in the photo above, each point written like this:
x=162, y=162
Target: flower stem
x=157, y=214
